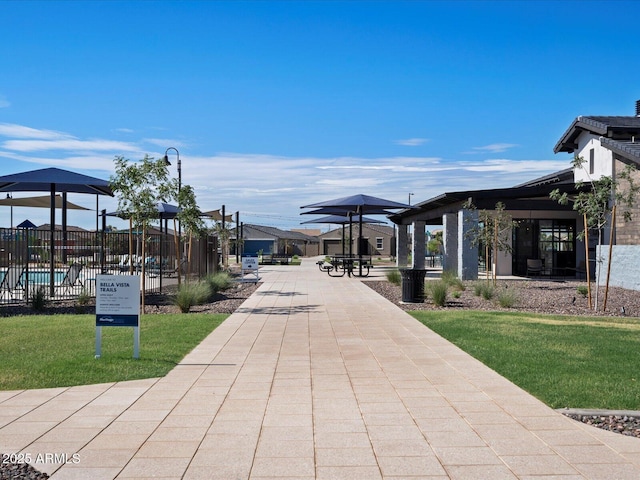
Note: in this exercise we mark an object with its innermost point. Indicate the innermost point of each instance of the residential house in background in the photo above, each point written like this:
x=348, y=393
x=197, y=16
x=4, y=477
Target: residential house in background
x=378, y=240
x=261, y=238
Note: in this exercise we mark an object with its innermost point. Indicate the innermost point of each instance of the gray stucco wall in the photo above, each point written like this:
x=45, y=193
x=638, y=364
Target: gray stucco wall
x=625, y=266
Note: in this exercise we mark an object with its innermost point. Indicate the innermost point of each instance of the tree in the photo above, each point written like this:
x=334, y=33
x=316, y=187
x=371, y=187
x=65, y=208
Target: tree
x=189, y=217
x=598, y=205
x=493, y=231
x=139, y=187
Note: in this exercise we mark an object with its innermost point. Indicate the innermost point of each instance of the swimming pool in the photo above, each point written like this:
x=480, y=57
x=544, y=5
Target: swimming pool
x=41, y=277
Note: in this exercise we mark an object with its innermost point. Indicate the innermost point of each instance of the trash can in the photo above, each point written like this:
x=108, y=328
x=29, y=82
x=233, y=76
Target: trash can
x=412, y=285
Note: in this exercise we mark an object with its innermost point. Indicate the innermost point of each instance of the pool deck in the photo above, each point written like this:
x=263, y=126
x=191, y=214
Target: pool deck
x=312, y=377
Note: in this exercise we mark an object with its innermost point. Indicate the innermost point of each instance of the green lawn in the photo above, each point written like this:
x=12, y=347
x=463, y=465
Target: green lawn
x=52, y=351
x=575, y=362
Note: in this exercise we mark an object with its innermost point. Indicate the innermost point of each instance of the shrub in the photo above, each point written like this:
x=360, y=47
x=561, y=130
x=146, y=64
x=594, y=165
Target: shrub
x=483, y=289
x=394, y=277
x=507, y=298
x=219, y=281
x=451, y=278
x=488, y=292
x=583, y=290
x=39, y=299
x=438, y=292
x=192, y=294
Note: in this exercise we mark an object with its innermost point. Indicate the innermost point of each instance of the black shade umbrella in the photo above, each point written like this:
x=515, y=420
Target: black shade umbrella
x=344, y=211
x=54, y=180
x=343, y=219
x=360, y=204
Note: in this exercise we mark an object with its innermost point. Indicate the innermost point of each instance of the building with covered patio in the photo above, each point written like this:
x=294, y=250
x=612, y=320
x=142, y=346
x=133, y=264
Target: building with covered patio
x=547, y=231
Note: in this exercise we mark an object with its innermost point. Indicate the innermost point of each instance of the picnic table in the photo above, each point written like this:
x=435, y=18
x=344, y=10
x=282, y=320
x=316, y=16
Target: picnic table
x=339, y=265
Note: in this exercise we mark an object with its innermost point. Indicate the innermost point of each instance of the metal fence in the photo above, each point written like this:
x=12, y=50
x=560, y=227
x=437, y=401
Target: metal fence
x=29, y=264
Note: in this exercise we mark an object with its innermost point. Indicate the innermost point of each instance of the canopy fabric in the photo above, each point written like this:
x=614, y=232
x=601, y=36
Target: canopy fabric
x=46, y=179
x=165, y=210
x=342, y=211
x=27, y=224
x=217, y=216
x=343, y=220
x=360, y=203
x=39, y=202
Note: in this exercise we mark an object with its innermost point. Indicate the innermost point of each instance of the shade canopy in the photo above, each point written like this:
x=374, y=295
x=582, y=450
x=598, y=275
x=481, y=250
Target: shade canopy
x=164, y=210
x=46, y=179
x=343, y=220
x=39, y=202
x=27, y=224
x=217, y=216
x=343, y=211
x=360, y=203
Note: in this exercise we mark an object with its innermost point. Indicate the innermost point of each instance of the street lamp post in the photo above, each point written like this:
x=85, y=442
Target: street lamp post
x=409, y=202
x=166, y=160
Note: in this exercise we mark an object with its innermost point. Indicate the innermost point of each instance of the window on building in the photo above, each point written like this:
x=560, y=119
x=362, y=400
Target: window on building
x=379, y=243
x=592, y=161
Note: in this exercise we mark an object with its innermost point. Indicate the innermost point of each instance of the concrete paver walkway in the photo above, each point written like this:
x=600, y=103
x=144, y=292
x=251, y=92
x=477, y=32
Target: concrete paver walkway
x=312, y=378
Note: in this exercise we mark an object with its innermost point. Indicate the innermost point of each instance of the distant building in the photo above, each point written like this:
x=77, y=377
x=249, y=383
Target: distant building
x=378, y=240
x=265, y=239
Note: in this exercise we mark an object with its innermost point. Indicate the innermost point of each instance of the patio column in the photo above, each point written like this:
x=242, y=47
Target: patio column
x=418, y=245
x=450, y=237
x=467, y=253
x=402, y=254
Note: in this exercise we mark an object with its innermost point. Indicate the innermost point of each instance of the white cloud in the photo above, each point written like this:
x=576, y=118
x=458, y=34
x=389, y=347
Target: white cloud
x=274, y=185
x=412, y=142
x=20, y=131
x=68, y=144
x=164, y=142
x=494, y=148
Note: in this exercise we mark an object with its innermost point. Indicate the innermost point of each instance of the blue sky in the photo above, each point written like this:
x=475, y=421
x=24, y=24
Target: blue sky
x=274, y=105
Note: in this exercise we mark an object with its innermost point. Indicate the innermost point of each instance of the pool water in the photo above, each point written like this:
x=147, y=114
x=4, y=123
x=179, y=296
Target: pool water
x=42, y=277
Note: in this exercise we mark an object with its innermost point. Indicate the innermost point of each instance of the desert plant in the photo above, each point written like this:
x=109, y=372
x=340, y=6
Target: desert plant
x=507, y=298
x=484, y=290
x=394, y=277
x=39, y=299
x=450, y=277
x=219, y=282
x=438, y=292
x=191, y=294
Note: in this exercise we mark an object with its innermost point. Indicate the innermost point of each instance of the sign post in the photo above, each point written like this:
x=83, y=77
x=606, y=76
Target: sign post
x=118, y=305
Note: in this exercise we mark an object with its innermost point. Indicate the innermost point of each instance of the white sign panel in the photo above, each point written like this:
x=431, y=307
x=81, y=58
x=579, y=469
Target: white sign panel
x=118, y=305
x=117, y=300
x=249, y=263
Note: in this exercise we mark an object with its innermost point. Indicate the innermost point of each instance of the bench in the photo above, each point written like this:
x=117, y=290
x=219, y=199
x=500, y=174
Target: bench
x=281, y=258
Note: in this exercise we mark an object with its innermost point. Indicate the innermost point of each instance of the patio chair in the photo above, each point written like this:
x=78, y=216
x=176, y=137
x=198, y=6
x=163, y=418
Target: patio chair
x=72, y=277
x=534, y=266
x=12, y=280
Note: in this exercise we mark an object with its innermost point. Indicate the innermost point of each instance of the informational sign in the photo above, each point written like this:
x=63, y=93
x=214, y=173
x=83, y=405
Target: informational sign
x=118, y=305
x=249, y=267
x=249, y=263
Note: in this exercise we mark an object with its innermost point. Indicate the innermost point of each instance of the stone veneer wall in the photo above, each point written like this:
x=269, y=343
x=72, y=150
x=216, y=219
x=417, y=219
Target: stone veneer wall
x=625, y=266
x=628, y=233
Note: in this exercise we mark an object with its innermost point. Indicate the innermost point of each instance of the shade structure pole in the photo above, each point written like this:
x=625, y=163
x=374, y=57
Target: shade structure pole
x=52, y=248
x=360, y=241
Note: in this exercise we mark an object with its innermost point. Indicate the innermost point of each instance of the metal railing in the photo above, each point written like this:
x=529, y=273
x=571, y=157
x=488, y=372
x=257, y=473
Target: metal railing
x=29, y=264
